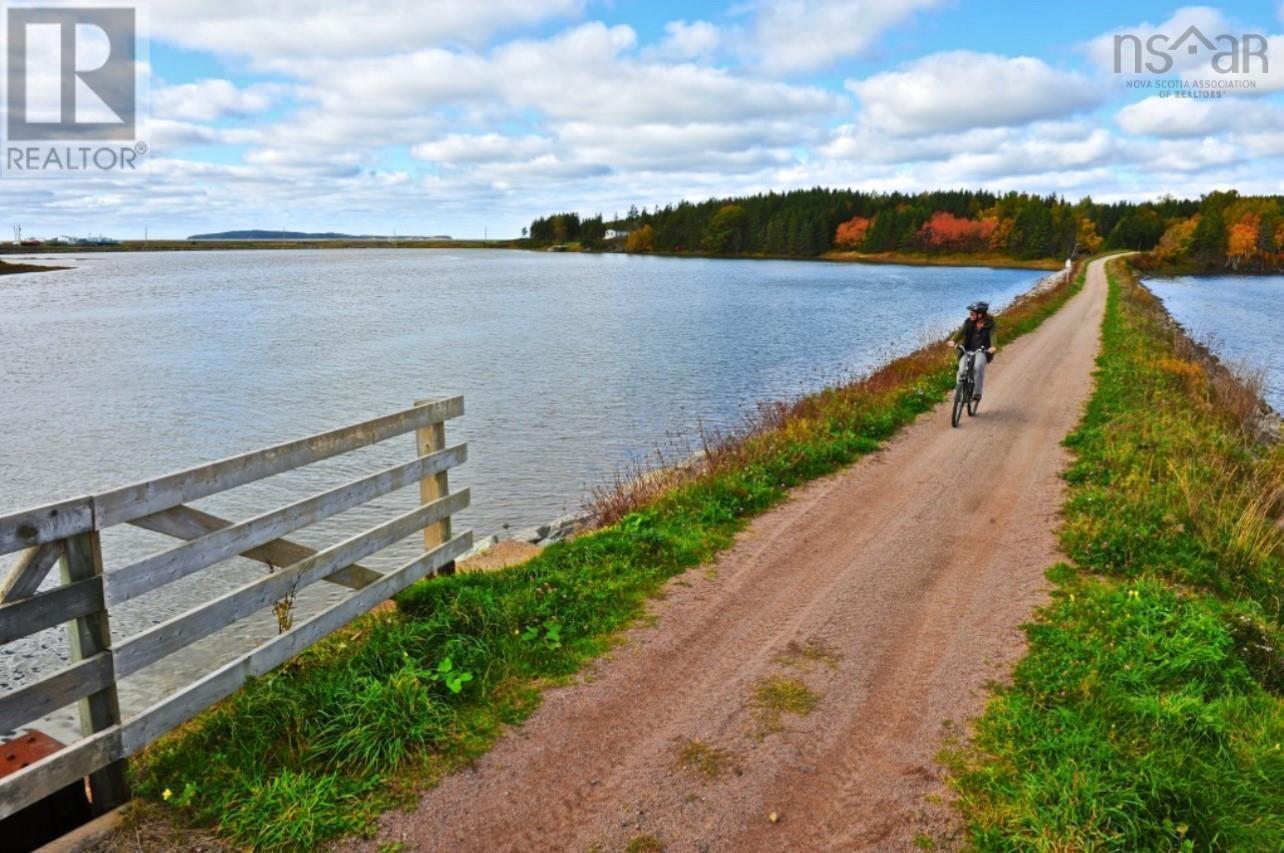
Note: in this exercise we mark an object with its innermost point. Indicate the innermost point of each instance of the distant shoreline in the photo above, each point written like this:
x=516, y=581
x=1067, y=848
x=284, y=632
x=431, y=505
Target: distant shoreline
x=909, y=259
x=1176, y=269
x=213, y=245
x=918, y=259
x=905, y=258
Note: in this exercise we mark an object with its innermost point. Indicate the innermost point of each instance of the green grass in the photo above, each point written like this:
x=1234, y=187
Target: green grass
x=1146, y=715
x=353, y=726
x=777, y=695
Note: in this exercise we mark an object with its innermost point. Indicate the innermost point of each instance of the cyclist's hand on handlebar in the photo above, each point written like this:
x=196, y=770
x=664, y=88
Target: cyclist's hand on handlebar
x=991, y=350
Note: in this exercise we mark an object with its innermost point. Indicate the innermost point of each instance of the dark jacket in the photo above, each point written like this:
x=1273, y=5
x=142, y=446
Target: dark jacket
x=977, y=335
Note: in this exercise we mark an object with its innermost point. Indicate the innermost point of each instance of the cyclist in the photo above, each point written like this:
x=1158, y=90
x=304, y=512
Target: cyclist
x=977, y=333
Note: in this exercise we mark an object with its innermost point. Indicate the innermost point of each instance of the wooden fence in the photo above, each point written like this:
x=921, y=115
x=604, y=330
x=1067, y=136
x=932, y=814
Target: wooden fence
x=67, y=533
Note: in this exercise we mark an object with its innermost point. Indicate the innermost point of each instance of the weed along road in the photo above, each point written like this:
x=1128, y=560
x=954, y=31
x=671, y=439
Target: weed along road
x=793, y=695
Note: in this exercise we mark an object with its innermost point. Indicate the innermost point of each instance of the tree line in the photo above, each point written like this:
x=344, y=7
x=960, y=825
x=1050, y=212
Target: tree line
x=567, y=228
x=1222, y=229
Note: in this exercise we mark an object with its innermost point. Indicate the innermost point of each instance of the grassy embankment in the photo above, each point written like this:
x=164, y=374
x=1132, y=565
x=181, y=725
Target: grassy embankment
x=1147, y=714
x=318, y=748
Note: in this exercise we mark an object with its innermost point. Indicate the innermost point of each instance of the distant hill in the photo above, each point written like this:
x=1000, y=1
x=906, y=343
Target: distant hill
x=279, y=235
x=317, y=235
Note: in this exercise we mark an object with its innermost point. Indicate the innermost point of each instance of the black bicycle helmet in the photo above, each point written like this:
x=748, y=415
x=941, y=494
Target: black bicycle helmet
x=979, y=307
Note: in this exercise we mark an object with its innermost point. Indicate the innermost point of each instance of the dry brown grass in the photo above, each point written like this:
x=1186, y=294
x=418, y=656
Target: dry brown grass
x=775, y=696
x=761, y=433
x=150, y=827
x=772, y=425
x=702, y=758
x=1236, y=389
x=807, y=656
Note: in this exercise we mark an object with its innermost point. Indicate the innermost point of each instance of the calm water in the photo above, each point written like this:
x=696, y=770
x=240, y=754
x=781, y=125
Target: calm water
x=1238, y=317
x=133, y=365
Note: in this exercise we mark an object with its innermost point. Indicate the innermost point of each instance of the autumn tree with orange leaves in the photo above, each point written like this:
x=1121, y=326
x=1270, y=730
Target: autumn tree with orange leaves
x=946, y=231
x=1241, y=240
x=851, y=233
x=1220, y=230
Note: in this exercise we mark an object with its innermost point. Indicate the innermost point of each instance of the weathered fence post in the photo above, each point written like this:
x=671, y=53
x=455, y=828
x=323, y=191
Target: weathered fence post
x=430, y=439
x=68, y=533
x=90, y=635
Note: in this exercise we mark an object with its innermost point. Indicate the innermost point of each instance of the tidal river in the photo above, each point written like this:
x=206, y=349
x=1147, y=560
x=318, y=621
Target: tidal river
x=132, y=365
x=1240, y=318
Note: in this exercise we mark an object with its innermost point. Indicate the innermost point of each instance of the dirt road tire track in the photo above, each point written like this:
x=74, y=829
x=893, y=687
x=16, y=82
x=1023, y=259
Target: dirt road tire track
x=915, y=568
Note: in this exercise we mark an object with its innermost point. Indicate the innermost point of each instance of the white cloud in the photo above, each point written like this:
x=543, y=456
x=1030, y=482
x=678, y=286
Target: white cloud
x=481, y=148
x=605, y=104
x=547, y=168
x=1190, y=155
x=731, y=146
x=1269, y=144
x=589, y=75
x=805, y=35
x=864, y=143
x=164, y=134
x=207, y=100
x=276, y=33
x=291, y=160
x=961, y=89
x=983, y=155
x=1172, y=117
x=1037, y=153
x=586, y=74
x=682, y=41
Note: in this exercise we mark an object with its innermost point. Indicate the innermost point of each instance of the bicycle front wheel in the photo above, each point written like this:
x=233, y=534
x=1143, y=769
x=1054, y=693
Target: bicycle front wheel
x=961, y=394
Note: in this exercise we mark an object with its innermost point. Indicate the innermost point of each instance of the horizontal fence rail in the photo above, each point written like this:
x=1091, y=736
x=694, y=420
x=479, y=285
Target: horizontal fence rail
x=66, y=534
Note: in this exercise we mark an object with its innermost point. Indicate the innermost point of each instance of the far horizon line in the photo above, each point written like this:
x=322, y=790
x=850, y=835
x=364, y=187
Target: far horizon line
x=485, y=237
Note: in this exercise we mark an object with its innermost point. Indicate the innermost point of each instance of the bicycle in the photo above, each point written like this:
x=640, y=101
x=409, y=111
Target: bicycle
x=964, y=391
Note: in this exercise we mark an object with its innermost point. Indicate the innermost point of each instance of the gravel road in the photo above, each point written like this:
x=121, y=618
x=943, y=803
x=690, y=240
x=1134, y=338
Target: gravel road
x=894, y=590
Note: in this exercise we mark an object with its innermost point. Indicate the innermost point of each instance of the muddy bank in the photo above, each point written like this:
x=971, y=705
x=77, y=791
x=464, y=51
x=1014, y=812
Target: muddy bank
x=10, y=268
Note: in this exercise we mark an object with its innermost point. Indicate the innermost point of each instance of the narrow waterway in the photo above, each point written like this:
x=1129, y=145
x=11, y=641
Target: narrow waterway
x=132, y=365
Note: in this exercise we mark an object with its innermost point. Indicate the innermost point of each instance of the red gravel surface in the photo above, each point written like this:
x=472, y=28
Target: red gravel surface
x=894, y=591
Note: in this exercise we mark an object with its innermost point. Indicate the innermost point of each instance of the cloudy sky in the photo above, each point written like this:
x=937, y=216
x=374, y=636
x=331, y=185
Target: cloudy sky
x=459, y=116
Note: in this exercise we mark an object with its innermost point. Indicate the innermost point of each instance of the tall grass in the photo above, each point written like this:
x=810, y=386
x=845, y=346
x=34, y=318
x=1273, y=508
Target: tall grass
x=353, y=726
x=875, y=401
x=1147, y=714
